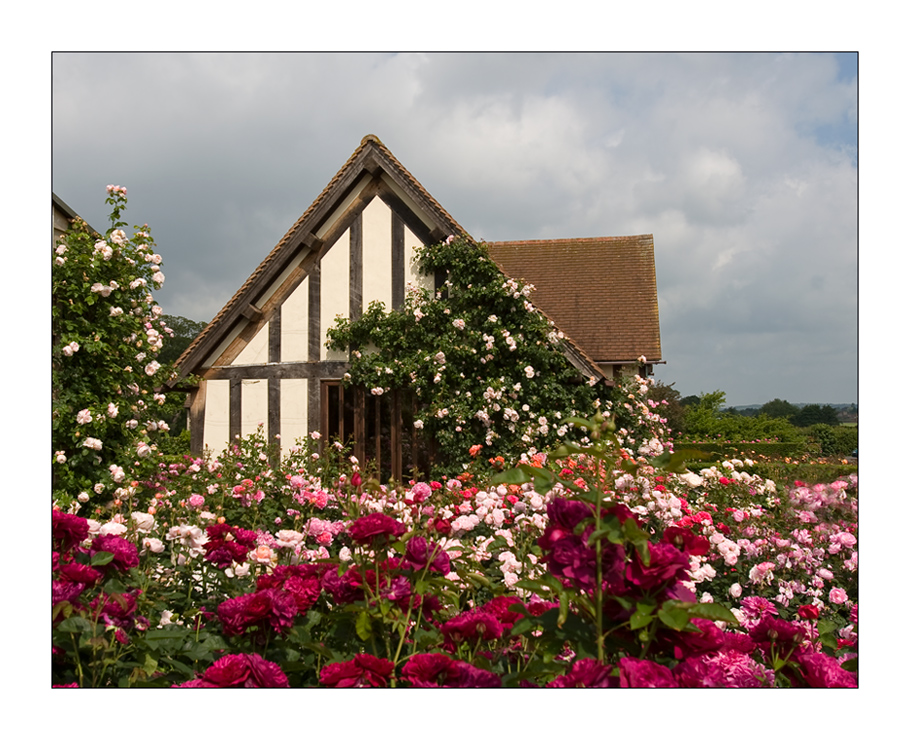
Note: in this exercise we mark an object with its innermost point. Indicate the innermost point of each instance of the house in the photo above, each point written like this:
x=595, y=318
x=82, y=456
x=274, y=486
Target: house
x=263, y=358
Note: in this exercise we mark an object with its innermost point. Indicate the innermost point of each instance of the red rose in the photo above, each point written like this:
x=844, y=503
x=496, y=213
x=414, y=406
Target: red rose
x=368, y=528
x=808, y=611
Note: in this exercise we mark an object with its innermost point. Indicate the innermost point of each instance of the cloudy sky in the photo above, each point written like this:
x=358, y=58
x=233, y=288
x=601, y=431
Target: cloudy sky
x=742, y=166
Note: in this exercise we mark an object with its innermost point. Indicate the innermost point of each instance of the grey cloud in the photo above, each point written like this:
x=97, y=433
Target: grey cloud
x=742, y=166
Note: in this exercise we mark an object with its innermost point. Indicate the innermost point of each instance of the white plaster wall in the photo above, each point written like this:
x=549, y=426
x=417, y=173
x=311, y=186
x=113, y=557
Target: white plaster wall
x=295, y=324
x=293, y=411
x=411, y=272
x=254, y=406
x=377, y=253
x=334, y=290
x=256, y=351
x=217, y=415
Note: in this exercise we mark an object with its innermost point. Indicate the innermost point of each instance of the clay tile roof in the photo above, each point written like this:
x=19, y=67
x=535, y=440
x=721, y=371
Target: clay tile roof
x=600, y=291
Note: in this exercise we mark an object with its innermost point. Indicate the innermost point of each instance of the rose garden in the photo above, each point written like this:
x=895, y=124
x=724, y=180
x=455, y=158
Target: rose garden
x=567, y=541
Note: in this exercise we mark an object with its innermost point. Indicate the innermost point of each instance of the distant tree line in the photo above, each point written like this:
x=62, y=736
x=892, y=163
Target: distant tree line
x=705, y=417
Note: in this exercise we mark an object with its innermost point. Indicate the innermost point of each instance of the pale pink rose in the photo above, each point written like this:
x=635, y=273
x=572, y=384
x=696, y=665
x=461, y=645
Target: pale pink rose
x=84, y=417
x=114, y=528
x=837, y=596
x=144, y=522
x=152, y=544
x=196, y=501
x=143, y=450
x=262, y=554
x=92, y=443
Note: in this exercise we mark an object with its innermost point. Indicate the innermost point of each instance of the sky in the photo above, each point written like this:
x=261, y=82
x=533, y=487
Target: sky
x=742, y=165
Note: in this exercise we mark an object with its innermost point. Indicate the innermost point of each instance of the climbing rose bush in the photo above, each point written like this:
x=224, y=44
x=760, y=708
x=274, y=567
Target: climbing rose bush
x=107, y=332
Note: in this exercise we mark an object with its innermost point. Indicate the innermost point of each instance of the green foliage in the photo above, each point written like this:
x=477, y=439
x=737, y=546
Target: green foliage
x=813, y=414
x=778, y=409
x=185, y=331
x=706, y=421
x=672, y=408
x=107, y=333
x=484, y=365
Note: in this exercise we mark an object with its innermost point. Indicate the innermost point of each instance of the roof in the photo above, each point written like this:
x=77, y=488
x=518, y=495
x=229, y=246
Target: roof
x=600, y=291
x=627, y=329
x=371, y=158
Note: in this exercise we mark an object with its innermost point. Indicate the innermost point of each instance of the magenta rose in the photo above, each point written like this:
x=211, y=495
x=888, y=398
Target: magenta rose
x=430, y=670
x=270, y=606
x=471, y=627
x=364, y=670
x=666, y=566
x=644, y=674
x=80, y=573
x=699, y=672
x=586, y=673
x=417, y=556
x=240, y=670
x=68, y=529
x=125, y=554
x=373, y=526
x=822, y=671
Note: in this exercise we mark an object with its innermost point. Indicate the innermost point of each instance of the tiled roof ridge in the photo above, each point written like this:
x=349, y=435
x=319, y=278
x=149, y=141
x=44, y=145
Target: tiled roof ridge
x=579, y=240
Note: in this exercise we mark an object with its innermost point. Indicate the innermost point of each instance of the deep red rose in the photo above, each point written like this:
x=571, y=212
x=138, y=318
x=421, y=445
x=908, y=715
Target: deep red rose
x=80, y=573
x=344, y=589
x=666, y=566
x=709, y=639
x=270, y=605
x=499, y=608
x=125, y=554
x=686, y=540
x=68, y=529
x=364, y=670
x=429, y=670
x=418, y=552
x=776, y=631
x=472, y=627
x=808, y=611
x=563, y=516
x=587, y=673
x=373, y=526
x=240, y=670
x=644, y=674
x=66, y=591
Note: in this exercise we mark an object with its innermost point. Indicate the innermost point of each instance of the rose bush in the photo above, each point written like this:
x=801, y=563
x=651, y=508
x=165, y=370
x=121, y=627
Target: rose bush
x=579, y=568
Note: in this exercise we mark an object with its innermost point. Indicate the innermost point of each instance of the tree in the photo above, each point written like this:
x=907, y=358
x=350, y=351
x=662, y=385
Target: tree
x=107, y=332
x=184, y=332
x=778, y=409
x=812, y=414
x=670, y=405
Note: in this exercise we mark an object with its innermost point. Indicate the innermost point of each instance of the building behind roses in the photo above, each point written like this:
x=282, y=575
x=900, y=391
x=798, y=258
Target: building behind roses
x=263, y=358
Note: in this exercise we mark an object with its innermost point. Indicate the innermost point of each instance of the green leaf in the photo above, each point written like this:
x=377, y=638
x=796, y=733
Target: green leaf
x=563, y=609
x=74, y=624
x=674, y=617
x=586, y=423
x=640, y=619
x=851, y=665
x=566, y=449
x=102, y=557
x=363, y=626
x=714, y=612
x=675, y=462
